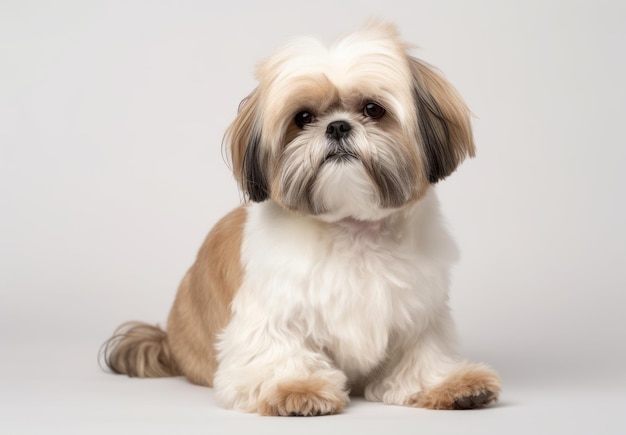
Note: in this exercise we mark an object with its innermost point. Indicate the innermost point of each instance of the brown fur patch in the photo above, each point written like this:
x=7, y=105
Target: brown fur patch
x=444, y=121
x=306, y=397
x=473, y=387
x=202, y=306
x=239, y=134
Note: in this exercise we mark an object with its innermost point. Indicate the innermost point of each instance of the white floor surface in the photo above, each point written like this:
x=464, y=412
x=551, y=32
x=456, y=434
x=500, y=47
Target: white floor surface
x=60, y=389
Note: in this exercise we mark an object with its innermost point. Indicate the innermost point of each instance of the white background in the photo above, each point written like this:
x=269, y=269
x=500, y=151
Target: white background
x=111, y=174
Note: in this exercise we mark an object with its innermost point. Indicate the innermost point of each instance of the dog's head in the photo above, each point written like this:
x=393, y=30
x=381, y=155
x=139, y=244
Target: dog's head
x=357, y=130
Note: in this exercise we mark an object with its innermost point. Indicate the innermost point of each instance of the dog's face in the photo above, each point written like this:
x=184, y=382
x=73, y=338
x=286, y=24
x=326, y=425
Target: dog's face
x=356, y=131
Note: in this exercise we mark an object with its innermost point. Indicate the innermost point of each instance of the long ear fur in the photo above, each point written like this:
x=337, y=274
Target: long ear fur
x=242, y=143
x=444, y=121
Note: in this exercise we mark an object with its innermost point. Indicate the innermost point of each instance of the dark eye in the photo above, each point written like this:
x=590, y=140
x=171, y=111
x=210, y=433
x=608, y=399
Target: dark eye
x=373, y=110
x=303, y=118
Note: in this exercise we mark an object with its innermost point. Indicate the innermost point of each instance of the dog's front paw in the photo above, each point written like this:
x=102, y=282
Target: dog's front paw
x=306, y=397
x=472, y=387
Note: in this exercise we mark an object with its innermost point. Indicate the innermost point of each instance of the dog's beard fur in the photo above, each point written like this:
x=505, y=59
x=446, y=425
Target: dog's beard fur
x=361, y=175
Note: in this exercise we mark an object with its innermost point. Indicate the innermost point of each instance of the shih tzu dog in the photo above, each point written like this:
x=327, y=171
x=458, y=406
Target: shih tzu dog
x=332, y=279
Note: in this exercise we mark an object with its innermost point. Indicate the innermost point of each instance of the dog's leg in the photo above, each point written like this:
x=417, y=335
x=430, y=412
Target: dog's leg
x=275, y=372
x=426, y=372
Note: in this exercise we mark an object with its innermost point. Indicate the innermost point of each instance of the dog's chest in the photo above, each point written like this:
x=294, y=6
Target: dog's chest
x=346, y=290
x=361, y=288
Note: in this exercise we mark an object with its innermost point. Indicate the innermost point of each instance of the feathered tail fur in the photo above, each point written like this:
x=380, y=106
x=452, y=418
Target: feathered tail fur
x=139, y=350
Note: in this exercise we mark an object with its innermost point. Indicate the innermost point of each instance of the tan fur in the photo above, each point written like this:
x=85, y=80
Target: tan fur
x=305, y=397
x=239, y=134
x=459, y=390
x=444, y=117
x=139, y=350
x=452, y=106
x=200, y=311
x=202, y=306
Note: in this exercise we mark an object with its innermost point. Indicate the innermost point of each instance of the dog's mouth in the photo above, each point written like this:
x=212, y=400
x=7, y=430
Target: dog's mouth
x=340, y=155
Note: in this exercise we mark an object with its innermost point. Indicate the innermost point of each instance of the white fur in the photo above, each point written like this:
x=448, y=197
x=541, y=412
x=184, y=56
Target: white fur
x=361, y=304
x=346, y=192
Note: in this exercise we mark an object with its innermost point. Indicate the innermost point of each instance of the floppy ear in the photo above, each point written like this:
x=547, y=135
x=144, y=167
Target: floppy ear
x=444, y=121
x=242, y=142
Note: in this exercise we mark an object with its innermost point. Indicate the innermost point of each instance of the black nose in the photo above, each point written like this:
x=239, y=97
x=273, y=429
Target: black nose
x=338, y=129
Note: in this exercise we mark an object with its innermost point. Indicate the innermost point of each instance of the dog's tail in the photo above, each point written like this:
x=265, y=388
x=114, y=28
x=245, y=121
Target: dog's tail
x=139, y=350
